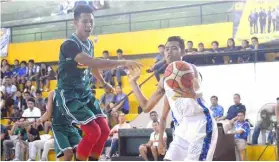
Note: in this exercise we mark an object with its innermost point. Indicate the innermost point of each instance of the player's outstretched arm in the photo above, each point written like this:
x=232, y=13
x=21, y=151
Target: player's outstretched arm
x=145, y=104
x=49, y=105
x=163, y=120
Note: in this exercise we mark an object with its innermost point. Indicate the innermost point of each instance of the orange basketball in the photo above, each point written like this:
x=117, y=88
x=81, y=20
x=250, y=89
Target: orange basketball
x=179, y=75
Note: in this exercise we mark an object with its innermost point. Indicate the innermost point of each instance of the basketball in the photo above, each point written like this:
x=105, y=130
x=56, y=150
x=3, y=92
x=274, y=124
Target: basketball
x=179, y=75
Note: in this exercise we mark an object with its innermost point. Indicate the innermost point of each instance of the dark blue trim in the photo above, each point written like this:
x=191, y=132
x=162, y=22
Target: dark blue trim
x=174, y=119
x=207, y=139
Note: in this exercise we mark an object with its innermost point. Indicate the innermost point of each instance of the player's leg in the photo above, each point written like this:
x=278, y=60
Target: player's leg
x=143, y=152
x=178, y=150
x=99, y=146
x=92, y=134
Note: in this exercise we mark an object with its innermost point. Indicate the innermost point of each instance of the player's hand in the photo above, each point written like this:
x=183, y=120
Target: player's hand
x=134, y=75
x=186, y=93
x=39, y=121
x=161, y=148
x=131, y=65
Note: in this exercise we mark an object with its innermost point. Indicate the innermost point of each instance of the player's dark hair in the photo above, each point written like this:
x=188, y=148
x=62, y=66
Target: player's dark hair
x=255, y=38
x=23, y=62
x=177, y=39
x=156, y=121
x=243, y=112
x=119, y=51
x=82, y=9
x=277, y=98
x=31, y=61
x=31, y=100
x=38, y=91
x=161, y=45
x=105, y=51
x=237, y=95
x=214, y=97
x=215, y=43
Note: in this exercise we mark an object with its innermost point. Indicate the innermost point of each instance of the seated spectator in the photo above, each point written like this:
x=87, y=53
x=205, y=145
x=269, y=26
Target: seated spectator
x=153, y=117
x=31, y=111
x=113, y=118
x=241, y=131
x=113, y=141
x=200, y=48
x=107, y=74
x=3, y=63
x=18, y=134
x=49, y=144
x=232, y=113
x=8, y=88
x=26, y=96
x=159, y=65
x=4, y=136
x=152, y=145
x=64, y=8
x=46, y=74
x=38, y=145
x=257, y=46
x=30, y=88
x=218, y=111
x=15, y=116
x=244, y=47
x=265, y=123
x=40, y=101
x=215, y=49
x=190, y=49
x=121, y=101
x=22, y=73
x=33, y=72
x=2, y=104
x=106, y=99
x=9, y=106
x=16, y=67
x=231, y=45
x=120, y=70
x=7, y=71
x=19, y=100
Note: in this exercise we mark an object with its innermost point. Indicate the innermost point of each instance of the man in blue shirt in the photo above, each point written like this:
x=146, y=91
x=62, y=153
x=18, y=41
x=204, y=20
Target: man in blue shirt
x=121, y=101
x=232, y=113
x=241, y=131
x=217, y=110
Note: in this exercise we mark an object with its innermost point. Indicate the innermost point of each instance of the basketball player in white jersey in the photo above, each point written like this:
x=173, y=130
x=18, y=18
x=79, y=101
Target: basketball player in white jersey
x=196, y=132
x=174, y=49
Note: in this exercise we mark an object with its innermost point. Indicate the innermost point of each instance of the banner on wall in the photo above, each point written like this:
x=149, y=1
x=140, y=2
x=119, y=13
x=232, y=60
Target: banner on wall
x=5, y=40
x=259, y=18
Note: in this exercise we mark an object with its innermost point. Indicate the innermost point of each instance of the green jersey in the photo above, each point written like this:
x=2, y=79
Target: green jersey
x=71, y=74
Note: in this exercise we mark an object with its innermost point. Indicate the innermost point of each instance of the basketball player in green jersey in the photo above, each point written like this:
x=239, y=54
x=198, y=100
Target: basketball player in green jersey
x=66, y=136
x=76, y=62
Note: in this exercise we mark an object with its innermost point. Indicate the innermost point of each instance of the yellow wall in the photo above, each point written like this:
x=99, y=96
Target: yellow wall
x=131, y=43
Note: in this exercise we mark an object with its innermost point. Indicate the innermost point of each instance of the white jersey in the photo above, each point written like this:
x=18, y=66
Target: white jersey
x=195, y=133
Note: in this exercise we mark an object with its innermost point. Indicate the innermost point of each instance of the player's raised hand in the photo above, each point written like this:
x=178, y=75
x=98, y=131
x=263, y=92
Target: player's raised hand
x=134, y=75
x=131, y=65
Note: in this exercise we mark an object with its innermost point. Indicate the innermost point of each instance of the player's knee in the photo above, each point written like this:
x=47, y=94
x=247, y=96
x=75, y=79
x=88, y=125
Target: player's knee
x=153, y=148
x=68, y=155
x=142, y=148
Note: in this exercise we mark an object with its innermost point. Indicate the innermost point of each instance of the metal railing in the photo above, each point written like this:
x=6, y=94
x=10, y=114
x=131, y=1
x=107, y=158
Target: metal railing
x=129, y=23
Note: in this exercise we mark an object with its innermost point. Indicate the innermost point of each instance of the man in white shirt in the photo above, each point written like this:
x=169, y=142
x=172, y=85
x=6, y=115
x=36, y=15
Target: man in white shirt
x=153, y=117
x=31, y=111
x=153, y=143
x=8, y=88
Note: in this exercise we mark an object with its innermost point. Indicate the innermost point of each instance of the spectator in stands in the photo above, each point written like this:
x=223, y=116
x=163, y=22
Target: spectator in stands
x=18, y=134
x=153, y=117
x=231, y=45
x=2, y=104
x=152, y=145
x=113, y=118
x=159, y=65
x=190, y=49
x=7, y=71
x=64, y=8
x=15, y=116
x=107, y=73
x=121, y=101
x=3, y=63
x=106, y=99
x=265, y=123
x=31, y=111
x=218, y=111
x=120, y=70
x=241, y=131
x=16, y=67
x=37, y=145
x=9, y=106
x=30, y=88
x=8, y=88
x=46, y=74
x=26, y=96
x=200, y=48
x=232, y=113
x=19, y=100
x=22, y=73
x=4, y=136
x=244, y=47
x=113, y=141
x=257, y=46
x=40, y=101
x=33, y=72
x=49, y=144
x=215, y=49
